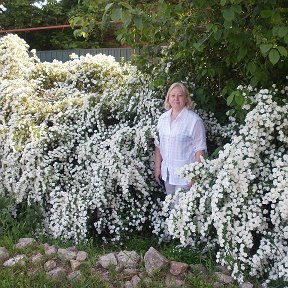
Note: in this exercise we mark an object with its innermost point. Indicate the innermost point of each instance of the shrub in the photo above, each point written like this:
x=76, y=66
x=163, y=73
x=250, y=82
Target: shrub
x=238, y=203
x=76, y=139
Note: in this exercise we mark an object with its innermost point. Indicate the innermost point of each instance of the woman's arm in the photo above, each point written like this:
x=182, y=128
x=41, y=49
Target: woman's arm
x=157, y=166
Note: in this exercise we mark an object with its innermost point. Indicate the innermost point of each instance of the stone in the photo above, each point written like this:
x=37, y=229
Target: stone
x=153, y=261
x=74, y=264
x=128, y=259
x=130, y=271
x=246, y=285
x=75, y=275
x=24, y=242
x=217, y=285
x=36, y=258
x=20, y=259
x=128, y=284
x=135, y=281
x=108, y=259
x=82, y=256
x=49, y=250
x=223, y=269
x=66, y=254
x=223, y=278
x=199, y=268
x=49, y=265
x=177, y=268
x=72, y=248
x=57, y=272
x=4, y=254
x=173, y=281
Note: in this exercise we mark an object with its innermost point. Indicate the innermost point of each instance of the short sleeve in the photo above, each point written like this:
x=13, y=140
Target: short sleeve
x=199, y=136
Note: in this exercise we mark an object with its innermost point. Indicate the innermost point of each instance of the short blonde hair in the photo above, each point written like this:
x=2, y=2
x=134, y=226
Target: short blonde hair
x=185, y=92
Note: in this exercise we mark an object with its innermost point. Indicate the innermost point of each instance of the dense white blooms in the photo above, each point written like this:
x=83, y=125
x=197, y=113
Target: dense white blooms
x=238, y=202
x=77, y=139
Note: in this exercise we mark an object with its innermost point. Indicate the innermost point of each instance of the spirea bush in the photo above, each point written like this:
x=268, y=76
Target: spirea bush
x=238, y=202
x=77, y=139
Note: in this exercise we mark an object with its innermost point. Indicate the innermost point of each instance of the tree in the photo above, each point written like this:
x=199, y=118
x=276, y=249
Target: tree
x=26, y=14
x=215, y=44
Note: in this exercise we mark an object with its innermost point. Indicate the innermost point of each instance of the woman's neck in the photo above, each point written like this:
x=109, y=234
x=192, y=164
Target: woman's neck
x=175, y=113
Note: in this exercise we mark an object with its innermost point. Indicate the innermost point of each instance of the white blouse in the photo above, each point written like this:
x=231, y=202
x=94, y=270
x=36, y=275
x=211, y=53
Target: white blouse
x=178, y=142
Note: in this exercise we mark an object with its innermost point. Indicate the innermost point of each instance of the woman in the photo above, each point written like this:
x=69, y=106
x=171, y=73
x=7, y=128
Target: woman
x=182, y=138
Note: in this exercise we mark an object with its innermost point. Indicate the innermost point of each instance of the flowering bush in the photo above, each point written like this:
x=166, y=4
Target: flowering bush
x=238, y=203
x=76, y=138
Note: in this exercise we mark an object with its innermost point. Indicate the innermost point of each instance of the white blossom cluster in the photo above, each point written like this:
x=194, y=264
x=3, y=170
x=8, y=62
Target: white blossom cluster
x=238, y=202
x=77, y=139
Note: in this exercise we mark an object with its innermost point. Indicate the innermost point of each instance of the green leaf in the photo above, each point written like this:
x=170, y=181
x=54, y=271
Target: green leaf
x=138, y=22
x=242, y=53
x=223, y=2
x=108, y=6
x=266, y=13
x=116, y=14
x=228, y=14
x=274, y=56
x=126, y=18
x=264, y=48
x=218, y=35
x=230, y=99
x=197, y=46
x=239, y=99
x=282, y=31
x=126, y=5
x=251, y=67
x=282, y=50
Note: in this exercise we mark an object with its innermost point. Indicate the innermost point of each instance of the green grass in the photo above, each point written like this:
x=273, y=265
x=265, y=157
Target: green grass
x=33, y=275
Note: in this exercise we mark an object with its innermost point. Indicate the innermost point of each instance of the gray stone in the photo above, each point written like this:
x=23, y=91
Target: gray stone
x=223, y=269
x=82, y=256
x=49, y=265
x=171, y=280
x=108, y=259
x=57, y=272
x=72, y=248
x=135, y=280
x=49, y=250
x=24, y=242
x=74, y=264
x=20, y=259
x=130, y=271
x=154, y=260
x=128, y=284
x=36, y=258
x=223, y=278
x=177, y=268
x=4, y=254
x=75, y=275
x=246, y=285
x=128, y=259
x=67, y=254
x=217, y=285
x=199, y=268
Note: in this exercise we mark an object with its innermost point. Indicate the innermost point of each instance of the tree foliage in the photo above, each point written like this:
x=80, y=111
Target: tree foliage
x=28, y=14
x=215, y=44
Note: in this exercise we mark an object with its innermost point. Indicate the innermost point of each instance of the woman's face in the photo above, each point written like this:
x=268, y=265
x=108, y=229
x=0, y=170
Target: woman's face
x=177, y=99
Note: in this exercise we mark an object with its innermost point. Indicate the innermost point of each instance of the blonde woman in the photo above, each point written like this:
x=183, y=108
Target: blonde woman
x=182, y=138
